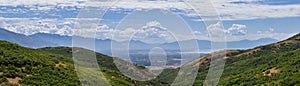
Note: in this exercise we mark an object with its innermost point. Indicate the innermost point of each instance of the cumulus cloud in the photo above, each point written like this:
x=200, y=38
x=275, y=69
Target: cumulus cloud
x=269, y=33
x=216, y=32
x=152, y=32
x=239, y=32
x=28, y=26
x=237, y=29
x=234, y=30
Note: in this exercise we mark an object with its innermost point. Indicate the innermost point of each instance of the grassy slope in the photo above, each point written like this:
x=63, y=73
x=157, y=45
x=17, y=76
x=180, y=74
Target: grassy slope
x=33, y=68
x=106, y=64
x=273, y=64
x=50, y=66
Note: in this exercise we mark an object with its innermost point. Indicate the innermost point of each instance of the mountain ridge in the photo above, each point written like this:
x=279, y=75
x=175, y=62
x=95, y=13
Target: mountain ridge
x=40, y=40
x=23, y=39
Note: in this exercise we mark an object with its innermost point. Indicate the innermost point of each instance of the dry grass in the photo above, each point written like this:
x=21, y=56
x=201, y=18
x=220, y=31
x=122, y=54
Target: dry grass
x=61, y=64
x=28, y=75
x=14, y=80
x=270, y=72
x=249, y=52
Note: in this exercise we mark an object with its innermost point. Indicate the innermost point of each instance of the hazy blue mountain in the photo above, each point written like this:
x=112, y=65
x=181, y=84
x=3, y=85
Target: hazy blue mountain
x=205, y=44
x=104, y=46
x=246, y=44
x=54, y=38
x=24, y=40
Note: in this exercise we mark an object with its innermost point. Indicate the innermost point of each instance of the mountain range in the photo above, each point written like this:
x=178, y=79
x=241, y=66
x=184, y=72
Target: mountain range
x=40, y=40
x=268, y=65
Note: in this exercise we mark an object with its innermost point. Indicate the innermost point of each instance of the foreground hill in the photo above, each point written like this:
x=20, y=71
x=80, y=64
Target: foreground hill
x=50, y=66
x=273, y=64
x=20, y=65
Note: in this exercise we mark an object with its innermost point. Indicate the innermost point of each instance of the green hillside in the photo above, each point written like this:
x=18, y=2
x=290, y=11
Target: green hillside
x=273, y=64
x=20, y=65
x=106, y=65
x=49, y=66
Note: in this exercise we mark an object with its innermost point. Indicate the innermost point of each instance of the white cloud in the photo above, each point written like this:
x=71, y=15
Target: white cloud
x=230, y=11
x=238, y=32
x=152, y=32
x=216, y=30
x=270, y=33
x=30, y=26
x=227, y=9
x=237, y=29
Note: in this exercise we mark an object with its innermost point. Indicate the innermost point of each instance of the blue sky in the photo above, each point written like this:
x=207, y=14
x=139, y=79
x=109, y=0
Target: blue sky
x=248, y=19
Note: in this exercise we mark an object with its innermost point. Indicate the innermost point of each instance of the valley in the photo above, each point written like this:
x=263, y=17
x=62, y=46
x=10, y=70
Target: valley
x=272, y=64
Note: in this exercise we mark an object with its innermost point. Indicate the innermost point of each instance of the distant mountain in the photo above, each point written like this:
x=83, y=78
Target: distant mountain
x=40, y=40
x=24, y=40
x=104, y=46
x=247, y=44
x=54, y=38
x=205, y=44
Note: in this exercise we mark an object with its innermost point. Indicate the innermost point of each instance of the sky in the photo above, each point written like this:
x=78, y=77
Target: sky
x=155, y=21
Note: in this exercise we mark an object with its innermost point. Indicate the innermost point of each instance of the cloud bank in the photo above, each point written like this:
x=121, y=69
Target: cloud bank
x=61, y=18
x=228, y=9
x=152, y=32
